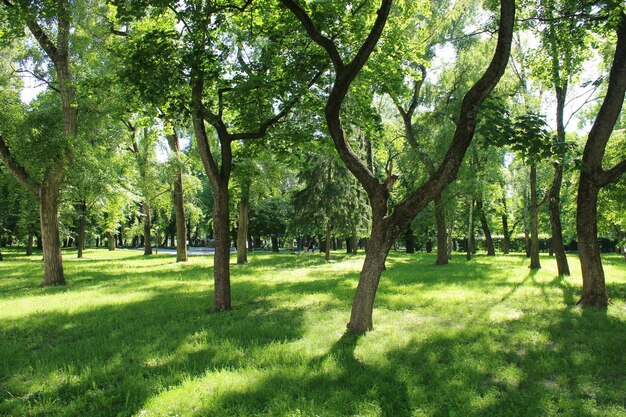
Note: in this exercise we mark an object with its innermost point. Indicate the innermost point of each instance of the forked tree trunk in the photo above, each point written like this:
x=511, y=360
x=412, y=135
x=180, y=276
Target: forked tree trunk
x=221, y=261
x=147, y=225
x=534, y=220
x=486, y=230
x=242, y=227
x=442, y=229
x=386, y=228
x=49, y=220
x=593, y=177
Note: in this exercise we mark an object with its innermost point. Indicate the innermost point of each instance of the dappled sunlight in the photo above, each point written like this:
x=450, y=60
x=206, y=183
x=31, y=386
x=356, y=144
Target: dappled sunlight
x=137, y=339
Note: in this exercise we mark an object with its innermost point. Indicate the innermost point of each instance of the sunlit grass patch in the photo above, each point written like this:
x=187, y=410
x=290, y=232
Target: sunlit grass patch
x=132, y=335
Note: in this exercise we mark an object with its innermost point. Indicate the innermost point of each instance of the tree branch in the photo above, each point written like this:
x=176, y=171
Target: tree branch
x=315, y=34
x=613, y=174
x=16, y=169
x=466, y=125
x=276, y=118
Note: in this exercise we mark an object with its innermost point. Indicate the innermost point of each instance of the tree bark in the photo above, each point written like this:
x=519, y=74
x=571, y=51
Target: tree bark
x=178, y=199
x=594, y=287
x=147, y=225
x=242, y=226
x=221, y=262
x=49, y=220
x=470, y=231
x=506, y=242
x=111, y=241
x=409, y=240
x=555, y=221
x=534, y=220
x=486, y=230
x=442, y=231
x=82, y=226
x=328, y=237
x=378, y=247
x=554, y=195
x=29, y=244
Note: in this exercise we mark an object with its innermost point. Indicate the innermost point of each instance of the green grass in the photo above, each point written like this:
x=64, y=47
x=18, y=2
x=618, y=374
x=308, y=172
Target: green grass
x=132, y=335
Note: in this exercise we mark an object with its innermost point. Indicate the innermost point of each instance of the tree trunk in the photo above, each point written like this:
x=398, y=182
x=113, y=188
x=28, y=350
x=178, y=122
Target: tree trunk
x=221, y=261
x=594, y=288
x=275, y=243
x=29, y=244
x=409, y=240
x=555, y=189
x=328, y=236
x=555, y=221
x=242, y=226
x=110, y=241
x=621, y=243
x=147, y=225
x=485, y=226
x=534, y=220
x=442, y=231
x=354, y=243
x=506, y=242
x=378, y=247
x=49, y=220
x=178, y=199
x=470, y=231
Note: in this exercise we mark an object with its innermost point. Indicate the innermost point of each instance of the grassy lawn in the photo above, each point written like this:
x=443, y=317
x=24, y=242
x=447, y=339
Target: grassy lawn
x=131, y=335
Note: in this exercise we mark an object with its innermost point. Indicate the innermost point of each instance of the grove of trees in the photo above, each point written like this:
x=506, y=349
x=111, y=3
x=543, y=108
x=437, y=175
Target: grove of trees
x=370, y=125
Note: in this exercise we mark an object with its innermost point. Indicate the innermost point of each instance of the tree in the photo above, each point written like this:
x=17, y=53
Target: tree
x=593, y=176
x=560, y=56
x=56, y=49
x=386, y=227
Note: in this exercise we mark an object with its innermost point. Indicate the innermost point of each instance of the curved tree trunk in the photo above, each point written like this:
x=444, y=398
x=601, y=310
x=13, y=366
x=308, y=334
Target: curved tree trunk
x=534, y=220
x=594, y=287
x=442, y=231
x=49, y=220
x=378, y=247
x=242, y=227
x=221, y=261
x=147, y=225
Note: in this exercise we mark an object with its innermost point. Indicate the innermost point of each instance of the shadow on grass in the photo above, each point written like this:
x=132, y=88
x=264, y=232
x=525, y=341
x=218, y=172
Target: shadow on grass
x=109, y=360
x=336, y=383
